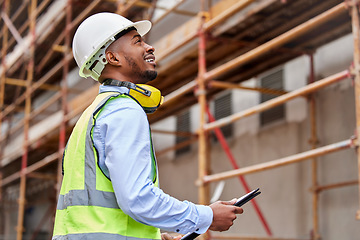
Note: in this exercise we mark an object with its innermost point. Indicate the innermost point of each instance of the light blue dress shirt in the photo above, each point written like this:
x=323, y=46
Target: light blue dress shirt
x=122, y=138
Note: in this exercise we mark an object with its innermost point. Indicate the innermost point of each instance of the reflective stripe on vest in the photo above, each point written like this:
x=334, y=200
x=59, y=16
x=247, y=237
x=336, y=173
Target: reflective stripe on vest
x=95, y=236
x=87, y=207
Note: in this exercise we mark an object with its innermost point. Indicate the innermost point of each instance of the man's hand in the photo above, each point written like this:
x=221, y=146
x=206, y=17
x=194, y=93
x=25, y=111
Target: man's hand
x=166, y=236
x=224, y=213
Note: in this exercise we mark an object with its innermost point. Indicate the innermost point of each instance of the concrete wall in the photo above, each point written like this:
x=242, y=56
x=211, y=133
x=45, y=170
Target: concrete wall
x=285, y=200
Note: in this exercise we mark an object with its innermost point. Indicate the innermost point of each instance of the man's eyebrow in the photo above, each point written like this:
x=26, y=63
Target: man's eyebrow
x=135, y=36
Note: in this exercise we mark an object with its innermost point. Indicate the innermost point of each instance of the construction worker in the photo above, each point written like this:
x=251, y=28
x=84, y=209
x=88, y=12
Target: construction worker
x=110, y=183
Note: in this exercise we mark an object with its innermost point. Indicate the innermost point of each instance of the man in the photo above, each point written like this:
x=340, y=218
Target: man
x=110, y=185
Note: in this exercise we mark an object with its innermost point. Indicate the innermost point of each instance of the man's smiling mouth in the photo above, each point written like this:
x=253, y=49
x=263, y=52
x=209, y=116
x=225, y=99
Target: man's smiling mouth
x=150, y=58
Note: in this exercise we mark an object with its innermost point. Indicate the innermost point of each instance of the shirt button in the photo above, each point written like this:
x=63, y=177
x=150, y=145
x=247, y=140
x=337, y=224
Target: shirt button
x=177, y=230
x=197, y=229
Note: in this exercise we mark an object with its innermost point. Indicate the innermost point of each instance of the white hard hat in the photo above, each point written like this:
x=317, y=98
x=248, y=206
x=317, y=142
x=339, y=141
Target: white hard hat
x=94, y=35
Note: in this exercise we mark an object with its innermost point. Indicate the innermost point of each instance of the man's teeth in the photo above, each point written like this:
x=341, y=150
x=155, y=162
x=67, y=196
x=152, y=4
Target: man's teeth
x=149, y=60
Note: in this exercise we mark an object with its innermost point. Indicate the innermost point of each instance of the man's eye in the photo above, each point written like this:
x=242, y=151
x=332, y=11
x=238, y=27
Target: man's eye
x=138, y=41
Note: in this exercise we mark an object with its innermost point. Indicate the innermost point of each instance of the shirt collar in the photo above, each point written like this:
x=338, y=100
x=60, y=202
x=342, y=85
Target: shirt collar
x=109, y=88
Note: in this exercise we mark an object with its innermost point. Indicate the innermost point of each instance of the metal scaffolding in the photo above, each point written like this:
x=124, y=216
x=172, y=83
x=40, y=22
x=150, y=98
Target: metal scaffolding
x=205, y=82
x=200, y=91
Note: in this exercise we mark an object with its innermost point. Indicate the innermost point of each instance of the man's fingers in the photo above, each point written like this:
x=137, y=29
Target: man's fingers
x=238, y=210
x=166, y=236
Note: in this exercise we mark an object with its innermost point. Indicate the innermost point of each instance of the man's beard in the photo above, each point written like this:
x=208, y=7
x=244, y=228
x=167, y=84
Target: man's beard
x=142, y=76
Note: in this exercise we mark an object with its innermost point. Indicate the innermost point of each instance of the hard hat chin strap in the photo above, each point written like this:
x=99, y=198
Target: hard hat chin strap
x=97, y=63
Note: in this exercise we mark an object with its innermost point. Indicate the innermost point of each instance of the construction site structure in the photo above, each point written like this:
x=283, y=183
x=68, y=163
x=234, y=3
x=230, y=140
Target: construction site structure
x=219, y=63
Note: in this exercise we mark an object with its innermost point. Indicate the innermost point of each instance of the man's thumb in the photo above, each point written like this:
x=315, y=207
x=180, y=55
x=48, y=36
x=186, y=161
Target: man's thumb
x=231, y=202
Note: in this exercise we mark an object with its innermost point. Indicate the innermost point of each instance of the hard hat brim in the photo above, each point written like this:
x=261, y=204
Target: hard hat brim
x=142, y=27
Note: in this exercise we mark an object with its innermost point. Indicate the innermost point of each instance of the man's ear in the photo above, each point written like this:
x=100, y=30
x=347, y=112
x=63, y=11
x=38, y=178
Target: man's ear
x=113, y=58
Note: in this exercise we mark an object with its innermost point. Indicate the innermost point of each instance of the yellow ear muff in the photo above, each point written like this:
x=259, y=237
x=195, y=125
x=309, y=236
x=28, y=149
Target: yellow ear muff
x=148, y=96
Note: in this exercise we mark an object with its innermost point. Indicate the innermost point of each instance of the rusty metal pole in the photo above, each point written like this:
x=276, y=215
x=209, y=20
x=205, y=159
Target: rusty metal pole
x=258, y=51
x=314, y=142
x=204, y=195
x=278, y=41
x=238, y=6
x=64, y=90
x=226, y=148
x=124, y=6
x=355, y=30
x=30, y=76
x=5, y=31
x=279, y=100
x=2, y=100
x=170, y=10
x=334, y=147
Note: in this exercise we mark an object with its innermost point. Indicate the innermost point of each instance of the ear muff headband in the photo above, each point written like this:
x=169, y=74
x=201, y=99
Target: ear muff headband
x=147, y=96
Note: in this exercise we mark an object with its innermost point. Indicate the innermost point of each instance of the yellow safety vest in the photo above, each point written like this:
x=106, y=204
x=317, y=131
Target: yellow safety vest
x=87, y=207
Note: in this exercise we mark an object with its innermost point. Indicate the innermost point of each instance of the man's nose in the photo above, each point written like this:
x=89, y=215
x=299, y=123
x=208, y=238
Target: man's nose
x=149, y=48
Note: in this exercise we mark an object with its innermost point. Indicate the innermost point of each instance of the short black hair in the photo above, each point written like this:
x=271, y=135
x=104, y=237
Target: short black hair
x=123, y=32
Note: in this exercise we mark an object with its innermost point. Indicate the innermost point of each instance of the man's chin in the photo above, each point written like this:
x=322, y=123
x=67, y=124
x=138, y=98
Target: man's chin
x=151, y=75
